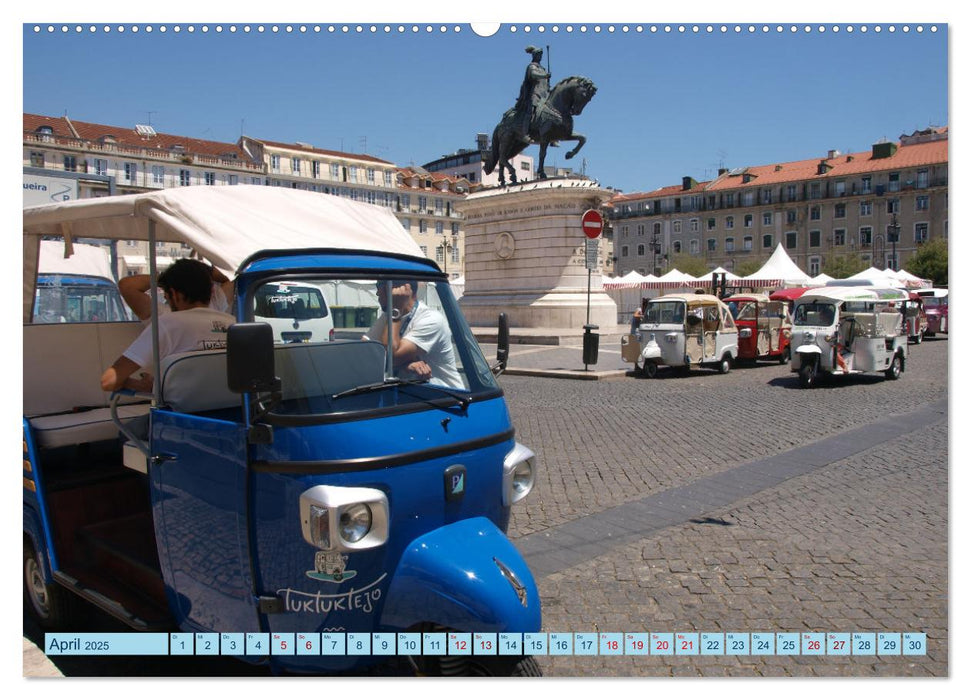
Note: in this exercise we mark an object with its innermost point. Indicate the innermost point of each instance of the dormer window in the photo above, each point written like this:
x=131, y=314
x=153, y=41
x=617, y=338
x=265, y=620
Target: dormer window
x=45, y=130
x=108, y=138
x=178, y=148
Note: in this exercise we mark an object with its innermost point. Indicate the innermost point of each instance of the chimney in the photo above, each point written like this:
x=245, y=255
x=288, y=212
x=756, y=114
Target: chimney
x=849, y=159
x=688, y=182
x=884, y=150
x=778, y=168
x=832, y=154
x=722, y=171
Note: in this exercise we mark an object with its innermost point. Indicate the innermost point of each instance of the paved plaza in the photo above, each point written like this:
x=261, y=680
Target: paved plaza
x=731, y=503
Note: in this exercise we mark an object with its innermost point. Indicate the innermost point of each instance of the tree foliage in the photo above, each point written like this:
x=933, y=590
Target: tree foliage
x=930, y=262
x=748, y=267
x=842, y=266
x=689, y=265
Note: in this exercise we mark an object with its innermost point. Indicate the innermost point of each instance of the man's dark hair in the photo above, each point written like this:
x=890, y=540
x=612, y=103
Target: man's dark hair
x=192, y=278
x=411, y=283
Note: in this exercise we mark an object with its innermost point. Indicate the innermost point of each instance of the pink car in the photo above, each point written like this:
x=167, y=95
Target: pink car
x=935, y=306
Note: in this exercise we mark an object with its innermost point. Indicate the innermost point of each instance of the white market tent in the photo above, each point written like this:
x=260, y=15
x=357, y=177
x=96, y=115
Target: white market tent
x=913, y=281
x=225, y=225
x=779, y=270
x=821, y=279
x=878, y=277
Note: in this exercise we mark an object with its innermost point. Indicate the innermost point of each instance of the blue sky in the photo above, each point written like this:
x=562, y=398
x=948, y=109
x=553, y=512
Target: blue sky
x=668, y=104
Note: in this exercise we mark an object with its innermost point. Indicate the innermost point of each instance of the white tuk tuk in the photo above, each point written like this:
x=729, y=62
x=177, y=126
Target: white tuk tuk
x=682, y=330
x=848, y=330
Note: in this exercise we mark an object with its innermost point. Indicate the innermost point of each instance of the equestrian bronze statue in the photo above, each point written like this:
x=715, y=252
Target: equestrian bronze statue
x=541, y=116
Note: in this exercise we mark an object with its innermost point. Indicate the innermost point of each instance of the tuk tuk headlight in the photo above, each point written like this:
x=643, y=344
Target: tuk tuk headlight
x=744, y=332
x=344, y=518
x=518, y=474
x=355, y=522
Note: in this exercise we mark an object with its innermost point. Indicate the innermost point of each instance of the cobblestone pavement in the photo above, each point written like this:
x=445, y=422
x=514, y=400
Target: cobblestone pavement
x=856, y=545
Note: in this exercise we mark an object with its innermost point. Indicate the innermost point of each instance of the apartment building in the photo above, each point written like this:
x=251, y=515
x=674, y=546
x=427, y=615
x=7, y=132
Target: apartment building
x=469, y=164
x=881, y=204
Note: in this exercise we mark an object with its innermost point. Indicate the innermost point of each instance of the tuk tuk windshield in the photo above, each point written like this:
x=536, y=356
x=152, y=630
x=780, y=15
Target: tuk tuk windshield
x=331, y=337
x=77, y=299
x=747, y=312
x=664, y=312
x=934, y=302
x=814, y=314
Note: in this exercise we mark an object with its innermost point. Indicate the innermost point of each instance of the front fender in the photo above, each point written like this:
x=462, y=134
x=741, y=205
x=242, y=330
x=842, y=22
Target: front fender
x=651, y=351
x=452, y=577
x=809, y=350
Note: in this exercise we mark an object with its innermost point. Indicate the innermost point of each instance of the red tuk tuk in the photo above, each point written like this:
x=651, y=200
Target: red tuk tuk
x=764, y=327
x=788, y=295
x=935, y=306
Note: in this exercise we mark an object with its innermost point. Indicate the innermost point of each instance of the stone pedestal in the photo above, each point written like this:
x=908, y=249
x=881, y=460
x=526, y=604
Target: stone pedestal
x=525, y=256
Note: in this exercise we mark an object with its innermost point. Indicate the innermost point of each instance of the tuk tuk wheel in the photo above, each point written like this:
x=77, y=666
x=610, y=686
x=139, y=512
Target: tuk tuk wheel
x=807, y=374
x=48, y=603
x=725, y=365
x=785, y=356
x=893, y=371
x=649, y=370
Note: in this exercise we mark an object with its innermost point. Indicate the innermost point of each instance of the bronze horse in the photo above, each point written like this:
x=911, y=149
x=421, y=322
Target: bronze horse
x=552, y=122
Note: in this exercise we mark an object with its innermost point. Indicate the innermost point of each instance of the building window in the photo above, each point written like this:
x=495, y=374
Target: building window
x=439, y=228
x=405, y=201
x=921, y=203
x=766, y=196
x=839, y=236
x=657, y=229
x=455, y=229
x=352, y=174
x=524, y=165
x=234, y=179
x=387, y=178
x=840, y=211
x=131, y=170
x=814, y=238
x=455, y=254
x=729, y=245
x=422, y=226
x=185, y=178
x=712, y=245
x=640, y=249
x=748, y=221
x=37, y=159
x=406, y=224
x=370, y=176
x=640, y=229
x=866, y=208
x=893, y=182
x=748, y=198
x=70, y=163
x=767, y=218
x=893, y=206
x=747, y=243
x=866, y=185
x=730, y=199
x=792, y=239
x=100, y=166
x=295, y=166
x=439, y=207
x=693, y=246
x=922, y=178
x=676, y=247
x=866, y=236
x=275, y=162
x=423, y=204
x=790, y=193
x=693, y=225
x=210, y=178
x=814, y=190
x=158, y=175
x=814, y=263
x=439, y=254
x=676, y=226
x=839, y=188
x=920, y=232
x=766, y=240
x=315, y=168
x=791, y=216
x=335, y=171
x=711, y=224
x=814, y=213
x=624, y=251
x=729, y=222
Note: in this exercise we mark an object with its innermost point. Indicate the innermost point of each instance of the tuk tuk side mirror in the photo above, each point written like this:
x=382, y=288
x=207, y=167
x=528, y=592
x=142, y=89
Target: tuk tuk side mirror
x=249, y=358
x=502, y=345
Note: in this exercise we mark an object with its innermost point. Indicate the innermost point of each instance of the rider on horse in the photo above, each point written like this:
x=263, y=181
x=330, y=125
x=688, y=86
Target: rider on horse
x=533, y=92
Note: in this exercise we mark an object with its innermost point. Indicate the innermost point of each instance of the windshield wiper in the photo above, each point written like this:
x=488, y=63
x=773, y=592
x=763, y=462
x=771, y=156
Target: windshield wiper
x=463, y=401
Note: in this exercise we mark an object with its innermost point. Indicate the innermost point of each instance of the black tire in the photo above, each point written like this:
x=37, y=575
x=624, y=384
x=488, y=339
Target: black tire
x=786, y=356
x=49, y=604
x=808, y=374
x=920, y=338
x=895, y=368
x=650, y=370
x=725, y=365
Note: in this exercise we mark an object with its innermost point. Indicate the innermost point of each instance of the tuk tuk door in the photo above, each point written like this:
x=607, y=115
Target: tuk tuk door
x=711, y=326
x=199, y=498
x=694, y=335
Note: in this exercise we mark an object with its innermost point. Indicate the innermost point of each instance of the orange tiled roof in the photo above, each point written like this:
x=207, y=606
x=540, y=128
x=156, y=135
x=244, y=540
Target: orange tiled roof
x=127, y=136
x=321, y=151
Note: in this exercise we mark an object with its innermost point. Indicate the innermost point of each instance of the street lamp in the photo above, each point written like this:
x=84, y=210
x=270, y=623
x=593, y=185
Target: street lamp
x=893, y=233
x=447, y=248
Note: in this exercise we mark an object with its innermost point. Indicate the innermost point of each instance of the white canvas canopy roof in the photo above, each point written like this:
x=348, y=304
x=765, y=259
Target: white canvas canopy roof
x=722, y=270
x=224, y=225
x=89, y=260
x=878, y=277
x=821, y=279
x=778, y=270
x=675, y=275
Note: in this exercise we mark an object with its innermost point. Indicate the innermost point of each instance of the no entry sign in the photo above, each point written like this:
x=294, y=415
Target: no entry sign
x=593, y=223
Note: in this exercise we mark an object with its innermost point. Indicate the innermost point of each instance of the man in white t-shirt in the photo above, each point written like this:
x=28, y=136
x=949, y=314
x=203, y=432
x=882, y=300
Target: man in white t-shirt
x=187, y=286
x=420, y=337
x=134, y=290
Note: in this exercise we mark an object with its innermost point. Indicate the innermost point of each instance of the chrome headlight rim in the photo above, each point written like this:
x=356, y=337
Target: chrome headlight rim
x=518, y=474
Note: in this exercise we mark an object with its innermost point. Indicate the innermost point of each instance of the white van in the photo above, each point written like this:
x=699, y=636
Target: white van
x=296, y=311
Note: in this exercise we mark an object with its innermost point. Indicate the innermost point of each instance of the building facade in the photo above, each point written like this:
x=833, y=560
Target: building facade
x=469, y=164
x=881, y=204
